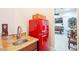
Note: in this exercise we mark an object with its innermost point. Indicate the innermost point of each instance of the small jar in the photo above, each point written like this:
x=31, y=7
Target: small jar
x=6, y=42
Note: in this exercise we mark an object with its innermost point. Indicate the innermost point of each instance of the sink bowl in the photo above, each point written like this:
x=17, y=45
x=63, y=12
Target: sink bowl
x=20, y=41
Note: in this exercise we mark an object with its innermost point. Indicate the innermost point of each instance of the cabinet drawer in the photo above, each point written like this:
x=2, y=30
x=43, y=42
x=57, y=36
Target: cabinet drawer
x=31, y=47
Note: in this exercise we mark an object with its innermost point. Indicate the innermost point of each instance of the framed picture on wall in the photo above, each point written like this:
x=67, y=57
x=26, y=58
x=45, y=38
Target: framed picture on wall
x=4, y=29
x=59, y=20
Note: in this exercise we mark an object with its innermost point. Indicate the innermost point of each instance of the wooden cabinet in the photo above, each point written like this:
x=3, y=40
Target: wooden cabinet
x=31, y=47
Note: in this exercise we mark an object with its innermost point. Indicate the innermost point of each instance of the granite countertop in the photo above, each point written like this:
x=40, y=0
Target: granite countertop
x=12, y=47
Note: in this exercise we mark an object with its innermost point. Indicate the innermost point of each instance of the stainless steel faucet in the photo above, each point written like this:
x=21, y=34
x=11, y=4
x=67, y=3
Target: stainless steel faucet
x=19, y=31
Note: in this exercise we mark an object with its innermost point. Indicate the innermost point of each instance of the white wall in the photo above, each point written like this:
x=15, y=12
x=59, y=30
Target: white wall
x=7, y=16
x=20, y=16
x=63, y=38
x=66, y=16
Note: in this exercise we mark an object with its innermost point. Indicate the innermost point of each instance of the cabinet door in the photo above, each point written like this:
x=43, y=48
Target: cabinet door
x=31, y=47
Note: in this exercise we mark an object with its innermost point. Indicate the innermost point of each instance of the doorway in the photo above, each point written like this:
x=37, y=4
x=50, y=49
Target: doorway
x=65, y=29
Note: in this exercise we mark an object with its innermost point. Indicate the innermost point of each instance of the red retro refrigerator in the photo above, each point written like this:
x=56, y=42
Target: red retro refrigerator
x=40, y=29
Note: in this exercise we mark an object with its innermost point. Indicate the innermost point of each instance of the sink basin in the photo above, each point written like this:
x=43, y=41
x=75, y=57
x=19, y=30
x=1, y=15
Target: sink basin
x=20, y=41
